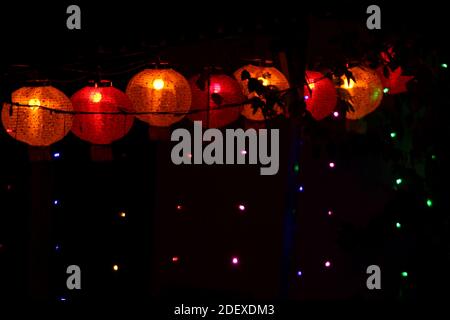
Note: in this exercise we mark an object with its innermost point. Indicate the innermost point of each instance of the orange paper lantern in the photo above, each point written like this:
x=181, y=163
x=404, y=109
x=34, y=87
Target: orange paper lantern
x=32, y=123
x=101, y=128
x=160, y=90
x=223, y=90
x=269, y=76
x=365, y=94
x=321, y=97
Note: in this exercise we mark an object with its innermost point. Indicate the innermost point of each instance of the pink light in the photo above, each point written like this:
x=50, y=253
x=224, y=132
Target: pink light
x=330, y=212
x=175, y=259
x=179, y=207
x=243, y=152
x=216, y=88
x=306, y=97
x=331, y=164
x=336, y=114
x=327, y=264
x=241, y=207
x=9, y=130
x=235, y=260
x=189, y=155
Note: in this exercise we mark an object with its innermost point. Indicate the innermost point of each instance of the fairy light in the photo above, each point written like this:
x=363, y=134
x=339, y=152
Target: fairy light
x=335, y=114
x=404, y=274
x=398, y=181
x=385, y=90
x=235, y=261
x=332, y=165
x=429, y=203
x=393, y=135
x=123, y=214
x=175, y=259
x=115, y=267
x=444, y=65
x=241, y=207
x=398, y=225
x=327, y=264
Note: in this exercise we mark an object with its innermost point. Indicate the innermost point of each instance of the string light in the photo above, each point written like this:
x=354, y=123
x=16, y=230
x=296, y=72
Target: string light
x=404, y=274
x=243, y=152
x=330, y=212
x=335, y=114
x=433, y=157
x=56, y=155
x=331, y=164
x=122, y=214
x=235, y=260
x=296, y=168
x=56, y=202
x=398, y=181
x=299, y=273
x=300, y=189
x=115, y=267
x=241, y=207
x=175, y=259
x=429, y=203
x=393, y=135
x=398, y=225
x=179, y=207
x=444, y=65
x=327, y=264
x=57, y=247
x=385, y=90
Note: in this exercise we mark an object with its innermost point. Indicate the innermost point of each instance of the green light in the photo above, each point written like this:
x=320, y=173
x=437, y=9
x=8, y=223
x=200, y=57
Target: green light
x=398, y=225
x=393, y=135
x=386, y=90
x=398, y=181
x=404, y=274
x=444, y=65
x=433, y=157
x=429, y=203
x=296, y=168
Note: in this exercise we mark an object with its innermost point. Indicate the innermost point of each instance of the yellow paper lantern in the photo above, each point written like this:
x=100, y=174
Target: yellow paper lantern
x=365, y=94
x=268, y=76
x=33, y=123
x=160, y=90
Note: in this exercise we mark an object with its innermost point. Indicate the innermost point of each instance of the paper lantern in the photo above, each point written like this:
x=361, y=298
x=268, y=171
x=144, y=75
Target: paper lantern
x=101, y=128
x=321, y=97
x=160, y=90
x=269, y=76
x=223, y=90
x=365, y=94
x=32, y=123
x=395, y=82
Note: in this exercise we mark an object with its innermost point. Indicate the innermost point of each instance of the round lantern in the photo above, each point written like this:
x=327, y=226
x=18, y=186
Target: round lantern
x=223, y=90
x=101, y=128
x=365, y=94
x=160, y=91
x=321, y=97
x=269, y=76
x=32, y=122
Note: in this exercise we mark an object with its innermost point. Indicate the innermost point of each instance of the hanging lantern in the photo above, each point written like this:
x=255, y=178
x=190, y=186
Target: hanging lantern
x=34, y=121
x=269, y=76
x=160, y=90
x=223, y=90
x=321, y=96
x=101, y=128
x=365, y=94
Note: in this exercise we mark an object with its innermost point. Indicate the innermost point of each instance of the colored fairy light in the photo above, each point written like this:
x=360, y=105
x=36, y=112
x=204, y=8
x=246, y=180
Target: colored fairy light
x=62, y=299
x=55, y=202
x=433, y=157
x=296, y=168
x=56, y=155
x=335, y=114
x=398, y=225
x=429, y=203
x=115, y=267
x=327, y=264
x=189, y=155
x=179, y=207
x=123, y=214
x=331, y=164
x=235, y=260
x=175, y=259
x=404, y=274
x=216, y=88
x=9, y=130
x=330, y=212
x=243, y=152
x=57, y=247
x=385, y=90
x=241, y=207
x=444, y=65
x=306, y=97
x=158, y=84
x=398, y=181
x=299, y=273
x=300, y=189
x=393, y=135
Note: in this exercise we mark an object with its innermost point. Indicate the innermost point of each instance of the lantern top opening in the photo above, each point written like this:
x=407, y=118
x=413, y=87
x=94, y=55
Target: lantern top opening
x=101, y=83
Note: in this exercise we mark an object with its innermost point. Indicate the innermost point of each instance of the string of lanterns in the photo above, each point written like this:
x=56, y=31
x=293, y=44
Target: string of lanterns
x=99, y=113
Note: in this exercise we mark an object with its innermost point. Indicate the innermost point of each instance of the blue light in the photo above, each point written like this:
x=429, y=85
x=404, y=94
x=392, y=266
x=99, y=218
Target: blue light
x=56, y=155
x=62, y=299
x=299, y=273
x=301, y=189
x=56, y=202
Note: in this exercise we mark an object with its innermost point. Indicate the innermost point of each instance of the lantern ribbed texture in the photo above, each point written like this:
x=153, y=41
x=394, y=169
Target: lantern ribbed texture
x=269, y=76
x=156, y=90
x=228, y=91
x=33, y=125
x=323, y=97
x=101, y=128
x=366, y=94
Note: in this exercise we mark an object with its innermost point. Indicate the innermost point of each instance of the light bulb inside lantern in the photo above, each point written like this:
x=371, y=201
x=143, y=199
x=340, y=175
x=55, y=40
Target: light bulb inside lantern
x=34, y=103
x=265, y=82
x=158, y=84
x=311, y=86
x=347, y=84
x=215, y=88
x=96, y=97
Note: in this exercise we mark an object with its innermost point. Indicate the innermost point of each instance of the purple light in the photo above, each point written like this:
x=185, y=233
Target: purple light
x=243, y=152
x=56, y=202
x=62, y=299
x=56, y=155
x=235, y=260
x=300, y=189
x=306, y=97
x=327, y=264
x=331, y=164
x=299, y=273
x=57, y=247
x=241, y=207
x=335, y=114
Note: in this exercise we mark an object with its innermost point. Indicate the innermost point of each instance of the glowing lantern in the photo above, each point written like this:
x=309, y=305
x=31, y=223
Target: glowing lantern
x=101, y=128
x=160, y=91
x=223, y=90
x=268, y=76
x=365, y=94
x=321, y=97
x=33, y=122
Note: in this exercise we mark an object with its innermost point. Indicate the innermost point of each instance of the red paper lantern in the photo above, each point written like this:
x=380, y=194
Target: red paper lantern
x=223, y=90
x=321, y=97
x=101, y=128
